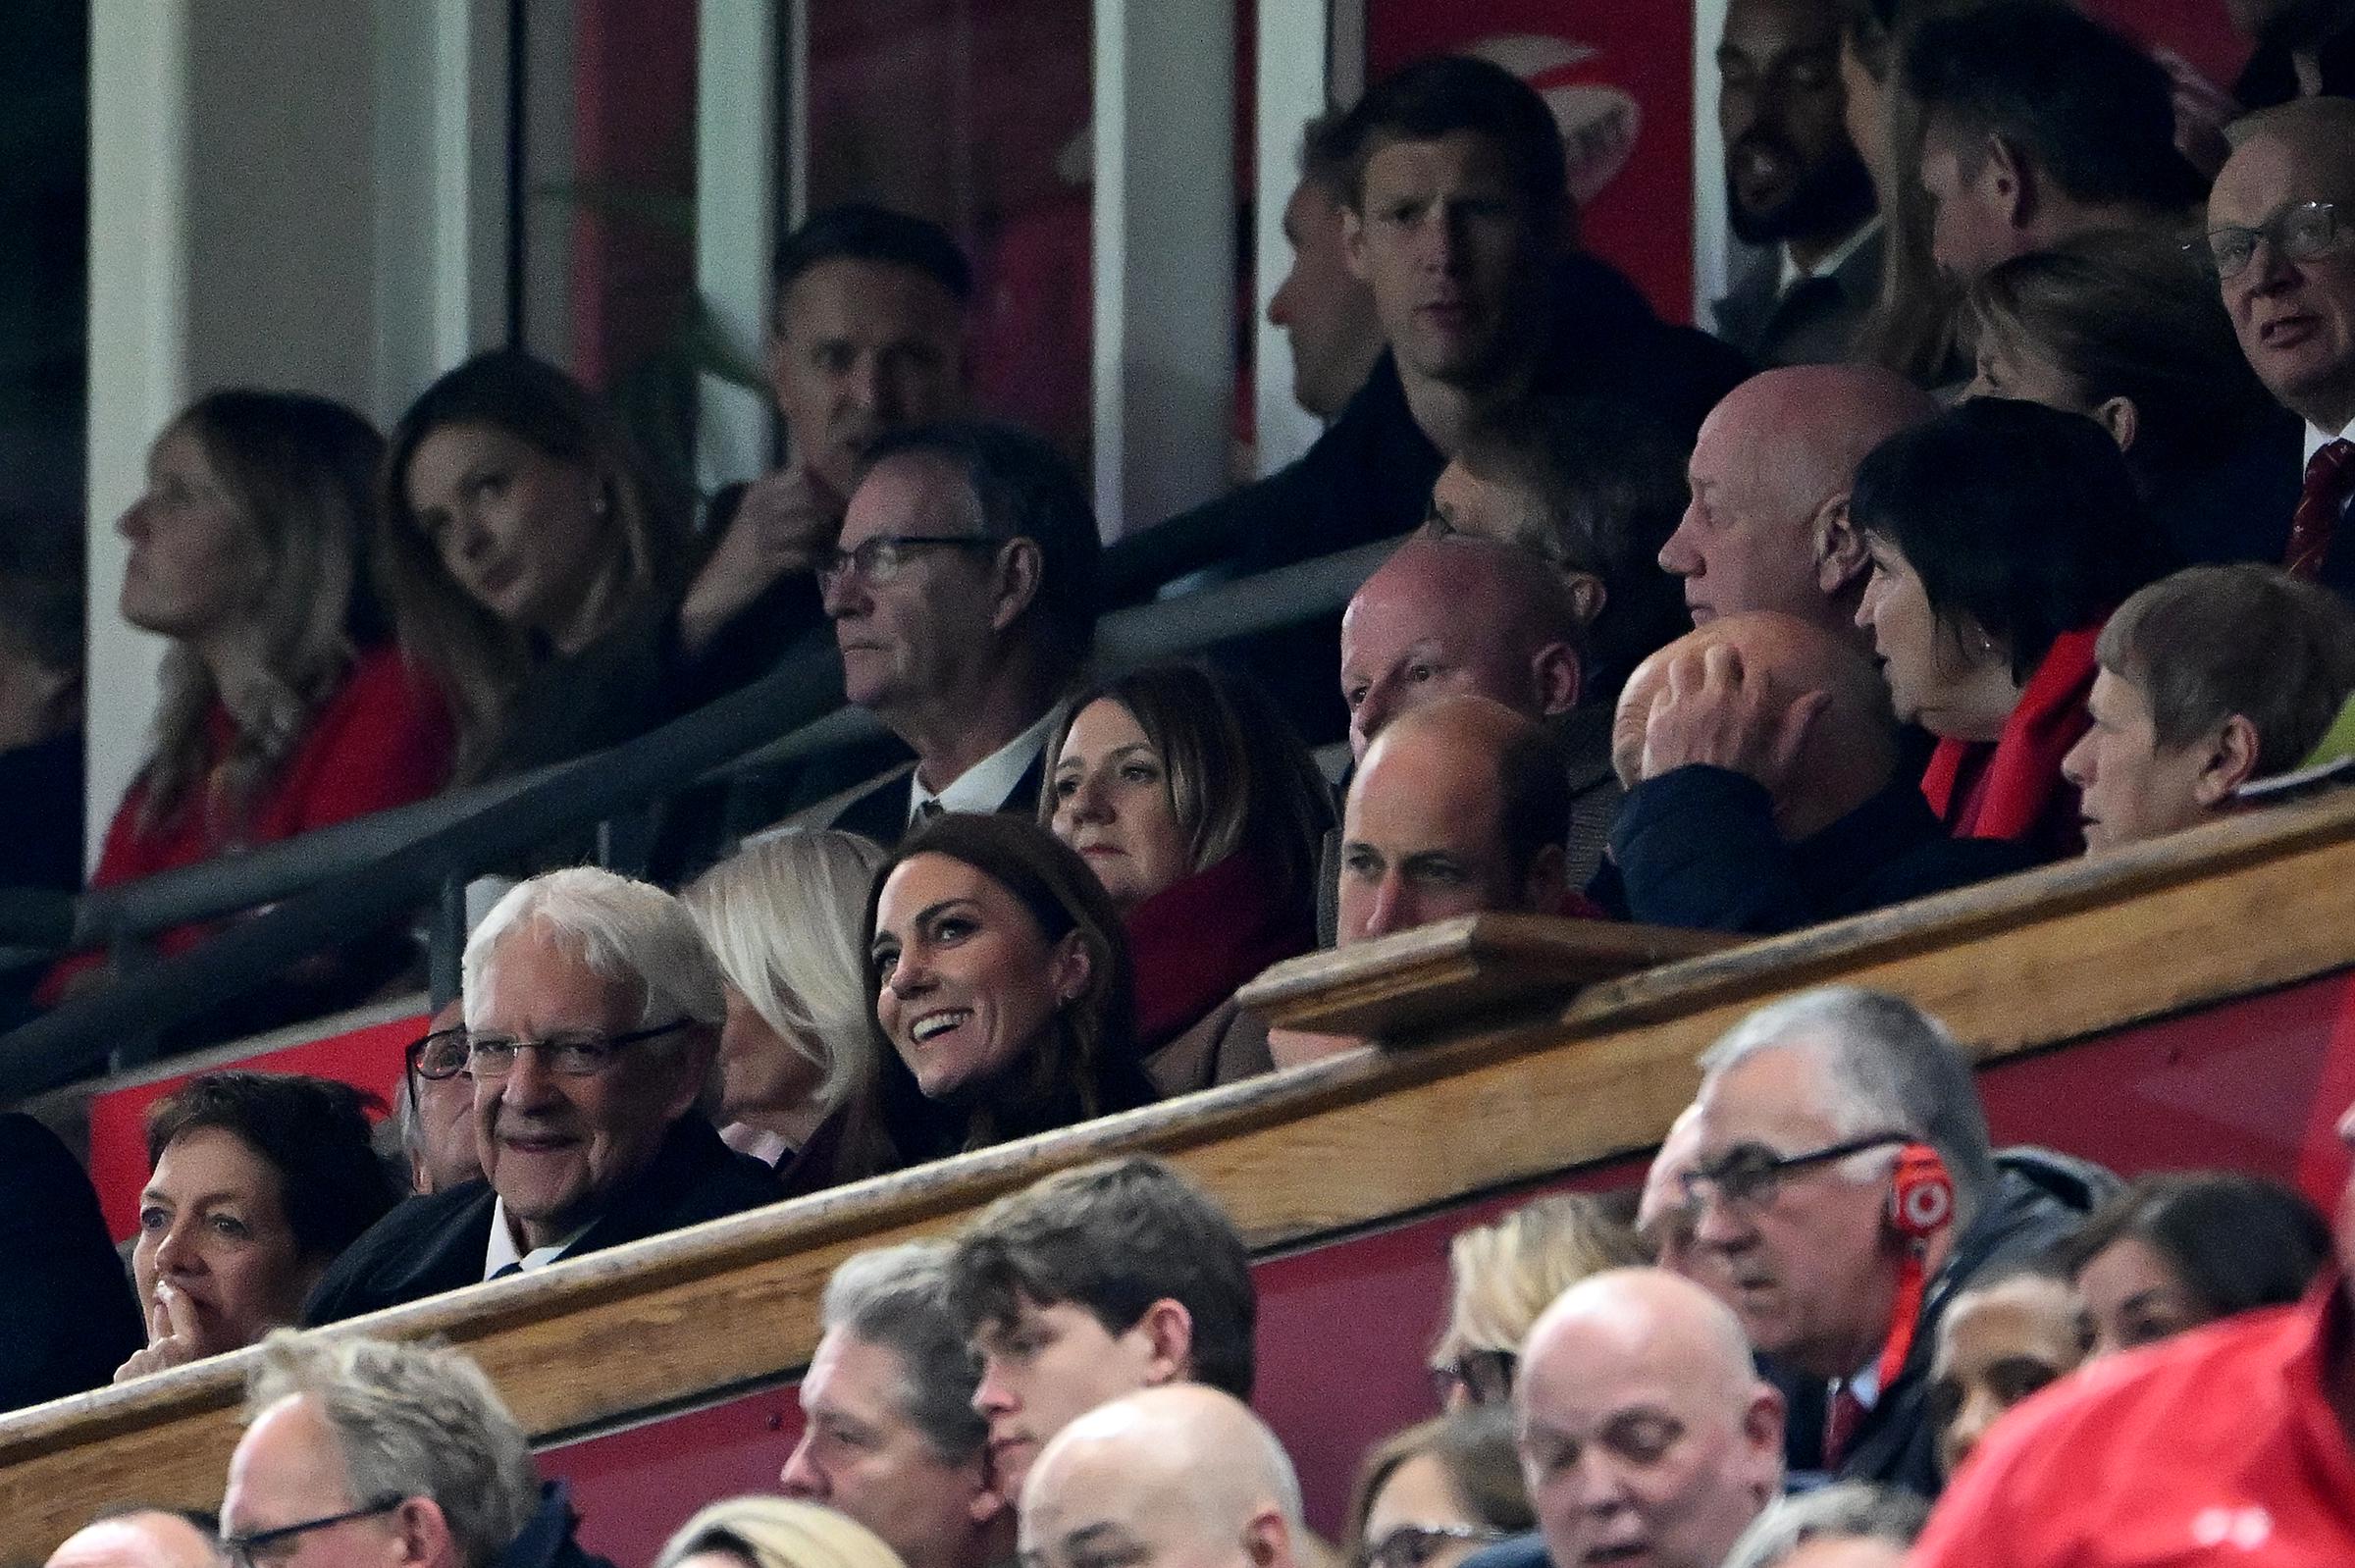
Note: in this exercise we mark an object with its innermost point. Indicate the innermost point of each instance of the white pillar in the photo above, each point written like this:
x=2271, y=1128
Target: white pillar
x=736, y=144
x=1164, y=369
x=1712, y=238
x=1291, y=91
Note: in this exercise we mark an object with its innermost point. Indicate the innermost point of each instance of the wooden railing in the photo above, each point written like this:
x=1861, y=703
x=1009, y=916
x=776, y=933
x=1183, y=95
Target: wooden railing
x=1507, y=1078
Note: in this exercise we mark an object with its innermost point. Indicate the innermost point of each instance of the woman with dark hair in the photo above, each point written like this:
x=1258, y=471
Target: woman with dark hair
x=283, y=708
x=259, y=1181
x=527, y=564
x=1002, y=991
x=2122, y=327
x=1195, y=804
x=2001, y=534
x=1434, y=1493
x=2177, y=1251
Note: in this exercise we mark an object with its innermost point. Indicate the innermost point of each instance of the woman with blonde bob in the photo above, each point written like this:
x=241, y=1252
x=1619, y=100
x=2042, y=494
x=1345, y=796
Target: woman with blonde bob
x=1503, y=1275
x=782, y=916
x=774, y=1533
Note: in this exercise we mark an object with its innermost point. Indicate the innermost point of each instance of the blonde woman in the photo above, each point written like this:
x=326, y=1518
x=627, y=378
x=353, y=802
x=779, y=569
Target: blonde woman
x=774, y=1533
x=782, y=915
x=1503, y=1275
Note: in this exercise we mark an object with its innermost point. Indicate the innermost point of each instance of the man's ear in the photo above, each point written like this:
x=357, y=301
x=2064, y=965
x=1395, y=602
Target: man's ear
x=2232, y=762
x=2007, y=182
x=421, y=1534
x=1168, y=1330
x=2120, y=418
x=1268, y=1540
x=1545, y=885
x=1840, y=559
x=698, y=1051
x=1762, y=1431
x=1353, y=242
x=1556, y=678
x=1019, y=569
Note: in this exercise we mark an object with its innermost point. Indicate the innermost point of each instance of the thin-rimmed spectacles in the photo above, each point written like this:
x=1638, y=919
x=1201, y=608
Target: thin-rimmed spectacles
x=438, y=1055
x=254, y=1549
x=572, y=1056
x=2302, y=232
x=1413, y=1545
x=884, y=557
x=1748, y=1174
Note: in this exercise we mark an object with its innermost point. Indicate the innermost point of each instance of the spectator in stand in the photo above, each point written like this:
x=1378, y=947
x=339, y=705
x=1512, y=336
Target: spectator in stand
x=1325, y=309
x=1794, y=186
x=2207, y=679
x=433, y=1115
x=1005, y=1003
x=2178, y=1250
x=260, y=1181
x=2001, y=536
x=527, y=564
x=1644, y=1432
x=2000, y=1340
x=1096, y=1282
x=1843, y=1176
x=1457, y=218
x=1430, y=1496
x=772, y=1532
x=1202, y=814
x=2304, y=49
x=67, y=1318
x=2039, y=124
x=1770, y=793
x=890, y=1436
x=1593, y=487
x=1850, y=1525
x=283, y=708
x=2229, y=1445
x=1501, y=1276
x=356, y=1451
x=1769, y=526
x=140, y=1537
x=2120, y=325
x=2281, y=238
x=1165, y=1474
x=41, y=717
x=1664, y=1215
x=592, y=1019
x=870, y=337
x=797, y=1061
x=963, y=593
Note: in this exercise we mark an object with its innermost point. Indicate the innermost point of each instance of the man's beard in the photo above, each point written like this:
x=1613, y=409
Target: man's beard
x=1829, y=200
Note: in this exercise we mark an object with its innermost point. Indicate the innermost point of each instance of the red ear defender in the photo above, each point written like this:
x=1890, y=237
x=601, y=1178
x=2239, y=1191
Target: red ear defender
x=1922, y=1197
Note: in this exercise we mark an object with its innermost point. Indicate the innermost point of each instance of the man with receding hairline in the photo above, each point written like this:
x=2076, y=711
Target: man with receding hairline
x=1184, y=1477
x=141, y=1537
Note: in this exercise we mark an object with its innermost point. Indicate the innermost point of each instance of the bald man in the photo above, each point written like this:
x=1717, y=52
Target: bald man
x=1764, y=791
x=144, y=1537
x=2282, y=232
x=1646, y=1434
x=1178, y=1476
x=1768, y=525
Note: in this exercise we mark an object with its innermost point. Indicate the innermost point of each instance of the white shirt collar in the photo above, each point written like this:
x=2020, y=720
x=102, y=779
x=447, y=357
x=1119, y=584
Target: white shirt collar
x=2317, y=440
x=984, y=786
x=1833, y=260
x=503, y=1249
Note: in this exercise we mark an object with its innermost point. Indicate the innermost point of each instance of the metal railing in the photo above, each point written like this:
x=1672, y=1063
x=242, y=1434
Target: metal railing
x=322, y=889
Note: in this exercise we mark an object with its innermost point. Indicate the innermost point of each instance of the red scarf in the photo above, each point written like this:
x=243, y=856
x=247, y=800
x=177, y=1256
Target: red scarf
x=2013, y=789
x=1199, y=939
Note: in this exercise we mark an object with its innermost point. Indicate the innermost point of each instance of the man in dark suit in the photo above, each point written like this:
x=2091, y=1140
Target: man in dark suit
x=590, y=1083
x=67, y=1317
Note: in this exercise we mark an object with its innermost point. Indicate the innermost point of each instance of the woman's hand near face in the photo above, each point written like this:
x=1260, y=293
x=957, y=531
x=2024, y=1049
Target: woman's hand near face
x=172, y=1338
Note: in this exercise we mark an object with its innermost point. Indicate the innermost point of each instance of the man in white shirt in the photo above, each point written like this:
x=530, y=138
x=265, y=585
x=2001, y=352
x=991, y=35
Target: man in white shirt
x=2281, y=238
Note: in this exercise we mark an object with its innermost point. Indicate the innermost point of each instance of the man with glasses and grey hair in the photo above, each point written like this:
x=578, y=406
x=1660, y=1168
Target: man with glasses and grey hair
x=890, y=1436
x=593, y=1016
x=358, y=1452
x=1842, y=1190
x=2282, y=239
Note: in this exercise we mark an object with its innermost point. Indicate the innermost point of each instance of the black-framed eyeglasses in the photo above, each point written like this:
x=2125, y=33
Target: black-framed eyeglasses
x=577, y=1056
x=881, y=559
x=1749, y=1175
x=1485, y=1376
x=2302, y=232
x=438, y=1055
x=1413, y=1545
x=254, y=1549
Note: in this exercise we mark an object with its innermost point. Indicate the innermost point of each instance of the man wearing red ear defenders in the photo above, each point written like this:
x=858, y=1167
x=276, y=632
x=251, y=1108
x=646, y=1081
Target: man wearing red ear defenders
x=1841, y=1192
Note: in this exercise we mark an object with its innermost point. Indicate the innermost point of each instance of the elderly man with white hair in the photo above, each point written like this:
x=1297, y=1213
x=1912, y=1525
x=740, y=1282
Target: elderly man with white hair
x=593, y=1017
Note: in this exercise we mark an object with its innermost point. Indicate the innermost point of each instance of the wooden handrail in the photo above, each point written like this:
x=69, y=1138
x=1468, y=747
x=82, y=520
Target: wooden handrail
x=2032, y=961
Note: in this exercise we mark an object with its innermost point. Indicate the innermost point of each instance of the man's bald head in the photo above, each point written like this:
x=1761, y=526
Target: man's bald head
x=1460, y=806
x=1850, y=749
x=2295, y=317
x=1458, y=615
x=147, y=1537
x=1768, y=527
x=1179, y=1474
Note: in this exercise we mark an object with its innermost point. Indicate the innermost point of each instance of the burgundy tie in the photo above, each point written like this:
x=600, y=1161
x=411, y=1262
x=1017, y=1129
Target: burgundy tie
x=1840, y=1421
x=2329, y=478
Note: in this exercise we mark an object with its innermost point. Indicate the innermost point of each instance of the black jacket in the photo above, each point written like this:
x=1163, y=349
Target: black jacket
x=431, y=1244
x=67, y=1317
x=1696, y=847
x=547, y=1540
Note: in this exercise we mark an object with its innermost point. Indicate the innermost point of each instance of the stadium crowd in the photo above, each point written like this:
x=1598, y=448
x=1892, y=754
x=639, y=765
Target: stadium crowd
x=1995, y=527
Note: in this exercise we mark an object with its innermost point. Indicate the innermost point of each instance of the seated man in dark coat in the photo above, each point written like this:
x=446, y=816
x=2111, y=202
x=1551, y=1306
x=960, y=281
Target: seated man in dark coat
x=1457, y=217
x=593, y=1013
x=68, y=1316
x=1767, y=791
